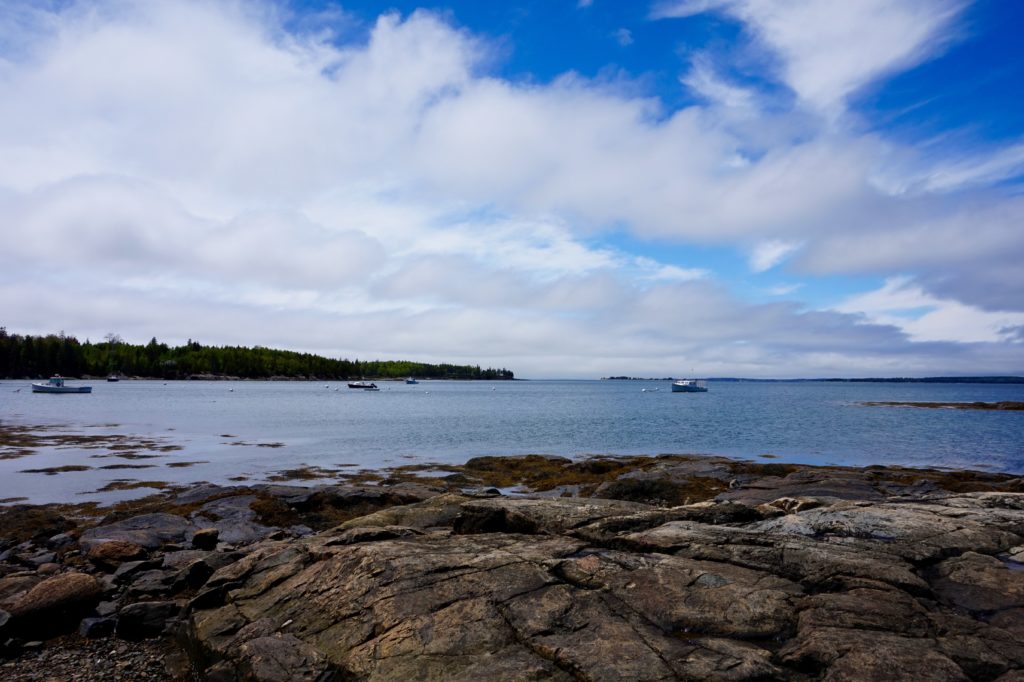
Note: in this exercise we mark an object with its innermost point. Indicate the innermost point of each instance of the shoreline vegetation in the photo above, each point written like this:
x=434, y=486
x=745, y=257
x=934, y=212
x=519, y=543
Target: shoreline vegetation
x=33, y=357
x=529, y=567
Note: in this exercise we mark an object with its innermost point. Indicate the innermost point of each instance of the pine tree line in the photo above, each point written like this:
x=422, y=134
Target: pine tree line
x=26, y=356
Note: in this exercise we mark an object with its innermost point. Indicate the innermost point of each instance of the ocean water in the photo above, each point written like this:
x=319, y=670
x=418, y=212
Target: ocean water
x=253, y=429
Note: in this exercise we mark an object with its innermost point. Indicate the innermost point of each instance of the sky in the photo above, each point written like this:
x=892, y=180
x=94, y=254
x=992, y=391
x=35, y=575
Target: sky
x=566, y=188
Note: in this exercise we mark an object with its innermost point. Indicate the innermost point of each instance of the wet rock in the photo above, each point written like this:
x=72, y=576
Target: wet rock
x=111, y=554
x=48, y=568
x=844, y=654
x=552, y=515
x=154, y=583
x=127, y=571
x=205, y=538
x=148, y=530
x=145, y=619
x=93, y=628
x=826, y=486
x=980, y=583
x=373, y=534
x=440, y=510
x=60, y=541
x=917, y=532
x=41, y=558
x=201, y=493
x=234, y=520
x=182, y=558
x=197, y=572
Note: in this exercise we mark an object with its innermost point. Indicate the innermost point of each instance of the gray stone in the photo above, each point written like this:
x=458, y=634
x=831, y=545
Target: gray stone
x=93, y=628
x=145, y=619
x=148, y=530
x=205, y=538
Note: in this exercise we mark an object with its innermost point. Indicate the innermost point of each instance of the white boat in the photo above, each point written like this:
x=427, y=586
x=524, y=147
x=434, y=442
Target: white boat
x=690, y=386
x=56, y=385
x=411, y=380
x=364, y=385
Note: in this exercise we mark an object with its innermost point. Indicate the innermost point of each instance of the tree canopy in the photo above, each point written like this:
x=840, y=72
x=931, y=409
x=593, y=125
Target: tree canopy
x=39, y=356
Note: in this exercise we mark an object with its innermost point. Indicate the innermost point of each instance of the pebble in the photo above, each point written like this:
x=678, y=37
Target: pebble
x=74, y=659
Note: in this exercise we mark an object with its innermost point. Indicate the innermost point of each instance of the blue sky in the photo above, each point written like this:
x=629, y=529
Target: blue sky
x=769, y=188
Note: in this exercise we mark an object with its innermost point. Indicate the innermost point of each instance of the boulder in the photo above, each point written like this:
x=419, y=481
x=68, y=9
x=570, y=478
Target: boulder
x=233, y=519
x=56, y=604
x=148, y=530
x=145, y=619
x=532, y=516
x=111, y=554
x=205, y=538
x=94, y=628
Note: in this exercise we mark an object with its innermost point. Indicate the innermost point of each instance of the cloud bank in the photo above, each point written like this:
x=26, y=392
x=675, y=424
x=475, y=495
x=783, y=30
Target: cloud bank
x=198, y=170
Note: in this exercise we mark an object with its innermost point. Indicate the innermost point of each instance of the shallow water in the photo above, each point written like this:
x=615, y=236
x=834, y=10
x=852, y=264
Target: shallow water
x=231, y=429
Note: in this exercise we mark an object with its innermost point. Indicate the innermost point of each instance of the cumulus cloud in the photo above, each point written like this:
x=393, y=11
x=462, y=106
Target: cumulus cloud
x=830, y=49
x=198, y=170
x=901, y=303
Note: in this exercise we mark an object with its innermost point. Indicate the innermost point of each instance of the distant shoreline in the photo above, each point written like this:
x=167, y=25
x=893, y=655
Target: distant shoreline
x=877, y=380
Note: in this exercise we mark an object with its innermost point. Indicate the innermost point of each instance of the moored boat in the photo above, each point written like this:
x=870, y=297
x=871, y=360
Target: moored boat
x=690, y=386
x=56, y=385
x=411, y=380
x=364, y=385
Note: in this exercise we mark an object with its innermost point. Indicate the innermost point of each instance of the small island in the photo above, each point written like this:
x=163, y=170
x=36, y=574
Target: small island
x=1001, y=405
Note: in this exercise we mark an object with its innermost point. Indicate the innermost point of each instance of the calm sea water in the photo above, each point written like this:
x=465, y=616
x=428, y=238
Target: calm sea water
x=222, y=424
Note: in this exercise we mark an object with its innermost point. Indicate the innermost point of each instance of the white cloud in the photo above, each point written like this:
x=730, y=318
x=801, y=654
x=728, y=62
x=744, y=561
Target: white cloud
x=624, y=37
x=831, y=49
x=766, y=255
x=703, y=80
x=197, y=171
x=785, y=289
x=924, y=317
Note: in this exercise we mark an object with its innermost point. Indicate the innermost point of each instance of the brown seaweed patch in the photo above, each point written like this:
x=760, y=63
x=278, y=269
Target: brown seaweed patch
x=182, y=465
x=303, y=473
x=130, y=484
x=128, y=466
x=130, y=455
x=24, y=522
x=50, y=471
x=247, y=444
x=11, y=500
x=273, y=512
x=239, y=478
x=15, y=453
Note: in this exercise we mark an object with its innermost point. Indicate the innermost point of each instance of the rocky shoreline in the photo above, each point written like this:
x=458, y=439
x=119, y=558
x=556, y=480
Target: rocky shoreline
x=662, y=568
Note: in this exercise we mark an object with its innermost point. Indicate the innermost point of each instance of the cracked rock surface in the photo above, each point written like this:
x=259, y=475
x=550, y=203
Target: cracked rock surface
x=900, y=587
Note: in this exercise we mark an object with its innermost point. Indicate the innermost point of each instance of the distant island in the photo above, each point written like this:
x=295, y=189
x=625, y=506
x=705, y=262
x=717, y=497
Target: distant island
x=890, y=380
x=27, y=356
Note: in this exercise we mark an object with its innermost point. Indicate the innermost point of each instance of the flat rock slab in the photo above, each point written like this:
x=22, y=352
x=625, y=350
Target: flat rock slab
x=147, y=530
x=604, y=590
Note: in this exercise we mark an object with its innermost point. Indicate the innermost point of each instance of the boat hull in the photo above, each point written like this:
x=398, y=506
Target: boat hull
x=43, y=388
x=689, y=387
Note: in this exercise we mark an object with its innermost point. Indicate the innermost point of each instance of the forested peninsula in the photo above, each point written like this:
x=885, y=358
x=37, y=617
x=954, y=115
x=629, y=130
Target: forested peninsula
x=27, y=356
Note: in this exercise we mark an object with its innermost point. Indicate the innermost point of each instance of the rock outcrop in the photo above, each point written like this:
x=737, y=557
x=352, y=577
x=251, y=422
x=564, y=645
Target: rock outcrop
x=548, y=588
x=668, y=568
